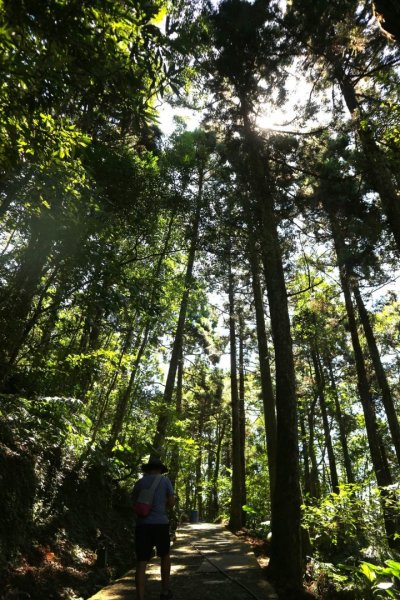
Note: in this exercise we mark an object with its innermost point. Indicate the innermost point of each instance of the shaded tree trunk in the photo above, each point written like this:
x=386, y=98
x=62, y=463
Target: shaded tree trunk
x=175, y=454
x=105, y=400
x=214, y=489
x=305, y=455
x=236, y=512
x=319, y=380
x=379, y=461
x=286, y=564
x=123, y=401
x=242, y=414
x=267, y=390
x=342, y=431
x=32, y=319
x=315, y=486
x=163, y=417
x=383, y=383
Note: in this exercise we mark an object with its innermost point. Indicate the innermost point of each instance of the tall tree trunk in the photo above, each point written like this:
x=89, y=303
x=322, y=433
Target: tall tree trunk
x=236, y=512
x=342, y=431
x=379, y=461
x=387, y=398
x=163, y=417
x=286, y=564
x=315, y=486
x=267, y=391
x=175, y=454
x=242, y=414
x=90, y=341
x=319, y=380
x=214, y=488
x=219, y=438
x=198, y=491
x=174, y=463
x=305, y=454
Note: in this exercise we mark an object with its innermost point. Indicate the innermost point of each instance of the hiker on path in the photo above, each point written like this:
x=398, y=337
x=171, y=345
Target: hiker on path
x=153, y=530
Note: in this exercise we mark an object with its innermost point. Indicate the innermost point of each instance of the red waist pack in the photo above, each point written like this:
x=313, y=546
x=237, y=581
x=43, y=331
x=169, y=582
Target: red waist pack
x=142, y=506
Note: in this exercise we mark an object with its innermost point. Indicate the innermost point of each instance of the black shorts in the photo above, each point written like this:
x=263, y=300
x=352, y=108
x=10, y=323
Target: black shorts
x=148, y=536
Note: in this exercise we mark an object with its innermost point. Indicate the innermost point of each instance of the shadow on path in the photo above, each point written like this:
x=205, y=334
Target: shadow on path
x=207, y=562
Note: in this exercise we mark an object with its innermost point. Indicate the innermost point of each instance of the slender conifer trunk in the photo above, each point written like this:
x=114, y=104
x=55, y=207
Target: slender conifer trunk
x=315, y=484
x=305, y=454
x=286, y=564
x=164, y=414
x=342, y=431
x=320, y=384
x=377, y=450
x=175, y=454
x=242, y=415
x=383, y=383
x=267, y=391
x=236, y=513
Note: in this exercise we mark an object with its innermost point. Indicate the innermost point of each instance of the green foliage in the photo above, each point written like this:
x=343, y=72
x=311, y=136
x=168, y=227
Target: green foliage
x=369, y=580
x=61, y=494
x=382, y=579
x=361, y=581
x=119, y=57
x=340, y=526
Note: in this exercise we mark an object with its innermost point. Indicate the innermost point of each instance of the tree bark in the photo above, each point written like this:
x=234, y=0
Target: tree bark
x=110, y=387
x=123, y=401
x=305, y=454
x=242, y=413
x=175, y=454
x=163, y=417
x=267, y=391
x=383, y=383
x=315, y=485
x=342, y=431
x=236, y=512
x=214, y=489
x=378, y=455
x=320, y=384
x=286, y=564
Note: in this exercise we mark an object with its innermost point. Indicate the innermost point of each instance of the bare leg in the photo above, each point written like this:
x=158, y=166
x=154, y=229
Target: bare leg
x=140, y=579
x=165, y=572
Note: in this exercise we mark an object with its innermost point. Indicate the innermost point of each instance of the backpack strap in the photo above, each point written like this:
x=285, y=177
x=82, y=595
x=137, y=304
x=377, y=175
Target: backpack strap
x=154, y=485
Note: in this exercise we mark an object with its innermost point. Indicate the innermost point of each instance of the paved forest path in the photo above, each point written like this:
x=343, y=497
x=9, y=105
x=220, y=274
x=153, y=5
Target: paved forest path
x=207, y=562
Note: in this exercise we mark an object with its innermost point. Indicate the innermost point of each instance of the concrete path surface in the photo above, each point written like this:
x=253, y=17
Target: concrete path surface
x=207, y=562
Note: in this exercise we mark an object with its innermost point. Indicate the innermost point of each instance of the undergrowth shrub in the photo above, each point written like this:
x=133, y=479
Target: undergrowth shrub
x=61, y=502
x=351, y=555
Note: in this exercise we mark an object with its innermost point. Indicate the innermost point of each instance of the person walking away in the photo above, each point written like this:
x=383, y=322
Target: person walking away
x=153, y=530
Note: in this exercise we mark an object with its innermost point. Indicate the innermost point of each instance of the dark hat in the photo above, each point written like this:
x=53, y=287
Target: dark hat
x=154, y=463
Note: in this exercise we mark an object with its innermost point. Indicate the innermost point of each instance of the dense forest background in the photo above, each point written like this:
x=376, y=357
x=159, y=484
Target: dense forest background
x=224, y=297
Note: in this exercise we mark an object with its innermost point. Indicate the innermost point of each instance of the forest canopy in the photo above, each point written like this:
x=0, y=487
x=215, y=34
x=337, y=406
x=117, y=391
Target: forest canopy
x=224, y=297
